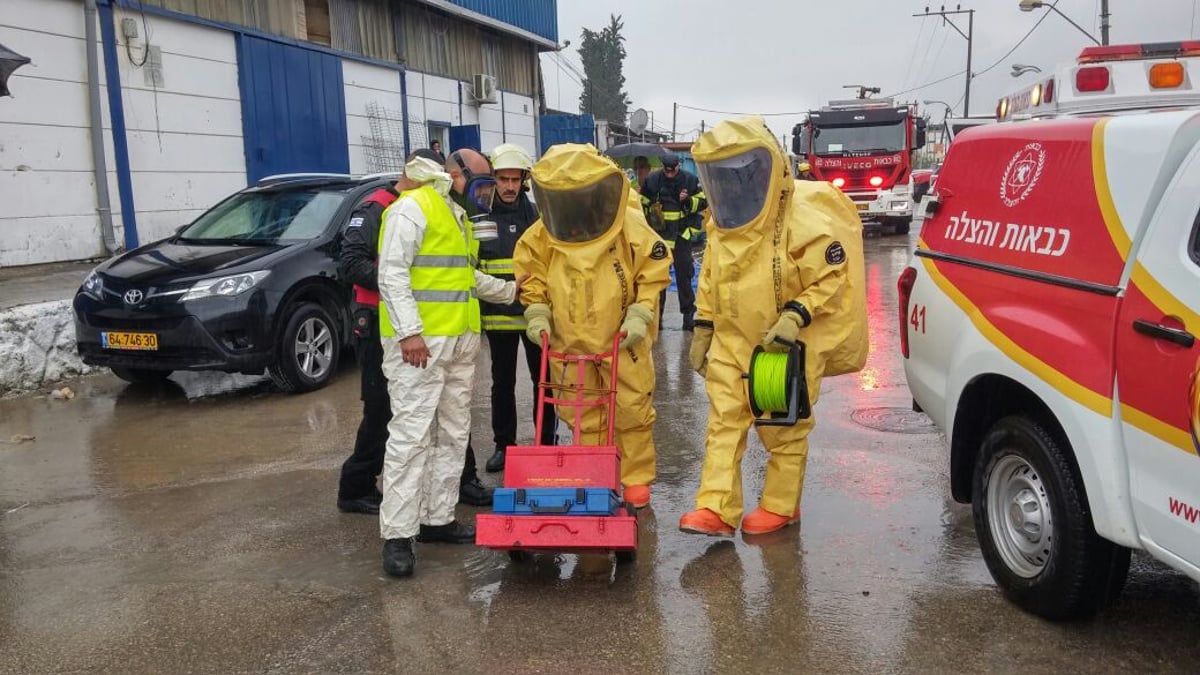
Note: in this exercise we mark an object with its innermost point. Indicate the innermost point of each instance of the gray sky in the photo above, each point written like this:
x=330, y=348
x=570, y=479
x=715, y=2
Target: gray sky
x=792, y=55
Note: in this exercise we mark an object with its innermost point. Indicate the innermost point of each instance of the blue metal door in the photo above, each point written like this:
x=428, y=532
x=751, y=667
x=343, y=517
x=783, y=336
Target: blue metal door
x=567, y=129
x=293, y=109
x=466, y=136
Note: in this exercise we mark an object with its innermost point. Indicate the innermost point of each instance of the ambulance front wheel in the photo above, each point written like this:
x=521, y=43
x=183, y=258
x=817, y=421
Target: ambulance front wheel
x=1035, y=527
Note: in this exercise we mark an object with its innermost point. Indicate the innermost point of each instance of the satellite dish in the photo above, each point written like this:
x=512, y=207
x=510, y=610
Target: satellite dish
x=638, y=120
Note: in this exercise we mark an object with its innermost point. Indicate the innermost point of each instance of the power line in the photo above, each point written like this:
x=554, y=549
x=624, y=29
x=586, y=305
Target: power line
x=912, y=55
x=1019, y=42
x=985, y=70
x=726, y=112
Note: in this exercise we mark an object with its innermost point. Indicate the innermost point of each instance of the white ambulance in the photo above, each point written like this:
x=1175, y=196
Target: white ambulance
x=1048, y=321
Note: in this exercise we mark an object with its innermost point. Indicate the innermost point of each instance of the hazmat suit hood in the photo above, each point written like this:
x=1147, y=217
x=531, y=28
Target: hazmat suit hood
x=745, y=175
x=582, y=195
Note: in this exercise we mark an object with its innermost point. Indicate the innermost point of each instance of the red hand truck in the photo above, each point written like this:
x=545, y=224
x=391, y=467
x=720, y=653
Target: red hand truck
x=570, y=466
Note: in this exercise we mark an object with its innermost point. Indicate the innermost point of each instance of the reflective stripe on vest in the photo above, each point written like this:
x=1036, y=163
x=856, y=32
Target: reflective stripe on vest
x=442, y=278
x=497, y=322
x=673, y=215
x=496, y=266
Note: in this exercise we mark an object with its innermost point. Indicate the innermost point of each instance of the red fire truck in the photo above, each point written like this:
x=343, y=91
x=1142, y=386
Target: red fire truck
x=865, y=146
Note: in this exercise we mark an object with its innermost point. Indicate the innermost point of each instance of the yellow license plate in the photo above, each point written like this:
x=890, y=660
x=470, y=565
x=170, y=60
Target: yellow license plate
x=134, y=341
x=861, y=206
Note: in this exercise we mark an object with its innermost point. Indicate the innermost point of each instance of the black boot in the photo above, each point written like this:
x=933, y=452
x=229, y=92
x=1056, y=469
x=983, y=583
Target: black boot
x=368, y=504
x=473, y=493
x=689, y=322
x=496, y=461
x=453, y=532
x=398, y=558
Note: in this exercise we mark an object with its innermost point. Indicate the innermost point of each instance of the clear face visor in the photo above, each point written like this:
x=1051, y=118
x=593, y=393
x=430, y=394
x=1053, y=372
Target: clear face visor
x=480, y=189
x=581, y=214
x=737, y=187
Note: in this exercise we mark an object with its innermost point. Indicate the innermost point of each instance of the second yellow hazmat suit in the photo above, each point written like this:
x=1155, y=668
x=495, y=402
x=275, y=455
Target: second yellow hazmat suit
x=595, y=269
x=775, y=267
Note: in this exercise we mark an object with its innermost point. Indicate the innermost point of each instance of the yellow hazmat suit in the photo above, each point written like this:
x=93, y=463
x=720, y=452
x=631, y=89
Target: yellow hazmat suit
x=775, y=266
x=596, y=268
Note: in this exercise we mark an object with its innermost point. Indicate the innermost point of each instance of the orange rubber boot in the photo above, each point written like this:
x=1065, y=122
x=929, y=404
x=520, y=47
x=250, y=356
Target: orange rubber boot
x=705, y=521
x=762, y=521
x=637, y=495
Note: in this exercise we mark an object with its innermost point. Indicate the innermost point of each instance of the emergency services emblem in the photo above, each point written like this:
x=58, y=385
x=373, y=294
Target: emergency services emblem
x=835, y=254
x=1022, y=174
x=659, y=251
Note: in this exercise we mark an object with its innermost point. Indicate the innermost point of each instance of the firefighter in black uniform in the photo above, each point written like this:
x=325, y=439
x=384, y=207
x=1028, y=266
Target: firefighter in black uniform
x=358, y=264
x=505, y=325
x=678, y=194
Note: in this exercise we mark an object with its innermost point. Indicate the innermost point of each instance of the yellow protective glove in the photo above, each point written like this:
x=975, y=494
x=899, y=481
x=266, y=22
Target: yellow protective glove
x=537, y=316
x=637, y=322
x=786, y=328
x=702, y=337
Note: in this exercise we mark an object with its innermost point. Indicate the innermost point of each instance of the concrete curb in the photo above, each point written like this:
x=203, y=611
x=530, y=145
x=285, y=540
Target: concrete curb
x=37, y=347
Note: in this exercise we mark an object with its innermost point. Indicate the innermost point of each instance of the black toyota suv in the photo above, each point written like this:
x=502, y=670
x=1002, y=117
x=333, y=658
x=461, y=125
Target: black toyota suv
x=250, y=286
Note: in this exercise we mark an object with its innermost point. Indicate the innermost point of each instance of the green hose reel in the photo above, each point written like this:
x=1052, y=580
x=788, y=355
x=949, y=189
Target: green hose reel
x=777, y=386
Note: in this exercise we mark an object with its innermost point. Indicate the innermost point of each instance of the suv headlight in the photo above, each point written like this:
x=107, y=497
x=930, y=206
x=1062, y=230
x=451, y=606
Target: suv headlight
x=224, y=286
x=93, y=286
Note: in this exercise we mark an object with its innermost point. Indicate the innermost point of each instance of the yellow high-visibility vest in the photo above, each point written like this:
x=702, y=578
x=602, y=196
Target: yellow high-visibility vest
x=443, y=270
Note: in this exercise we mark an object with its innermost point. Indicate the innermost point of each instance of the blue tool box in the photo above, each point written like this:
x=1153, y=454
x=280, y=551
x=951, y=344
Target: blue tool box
x=555, y=501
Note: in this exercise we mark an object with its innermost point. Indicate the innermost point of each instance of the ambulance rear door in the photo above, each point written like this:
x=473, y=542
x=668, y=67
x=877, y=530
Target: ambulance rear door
x=1157, y=360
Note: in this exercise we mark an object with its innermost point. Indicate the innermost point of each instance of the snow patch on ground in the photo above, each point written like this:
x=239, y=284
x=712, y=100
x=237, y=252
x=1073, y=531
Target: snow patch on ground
x=37, y=347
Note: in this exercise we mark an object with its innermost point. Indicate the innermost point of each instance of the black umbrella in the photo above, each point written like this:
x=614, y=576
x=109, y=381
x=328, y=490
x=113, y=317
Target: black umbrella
x=637, y=150
x=9, y=61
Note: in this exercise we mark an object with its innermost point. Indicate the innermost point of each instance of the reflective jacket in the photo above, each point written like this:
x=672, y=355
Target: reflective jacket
x=495, y=258
x=682, y=220
x=428, y=282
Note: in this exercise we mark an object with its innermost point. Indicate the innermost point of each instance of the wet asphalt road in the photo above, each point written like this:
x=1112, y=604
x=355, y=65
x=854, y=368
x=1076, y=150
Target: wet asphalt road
x=192, y=529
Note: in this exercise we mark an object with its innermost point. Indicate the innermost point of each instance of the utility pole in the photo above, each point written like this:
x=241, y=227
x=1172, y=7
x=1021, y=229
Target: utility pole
x=1104, y=22
x=701, y=126
x=968, y=36
x=674, y=117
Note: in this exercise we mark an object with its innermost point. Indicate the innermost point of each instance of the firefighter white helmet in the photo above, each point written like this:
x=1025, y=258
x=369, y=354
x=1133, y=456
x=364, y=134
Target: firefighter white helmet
x=510, y=156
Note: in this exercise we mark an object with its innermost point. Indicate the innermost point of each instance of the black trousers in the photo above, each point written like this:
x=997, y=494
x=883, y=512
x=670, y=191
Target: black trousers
x=684, y=272
x=362, y=468
x=503, y=345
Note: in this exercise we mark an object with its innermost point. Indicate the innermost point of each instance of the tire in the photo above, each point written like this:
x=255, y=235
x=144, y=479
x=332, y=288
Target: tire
x=1052, y=563
x=626, y=557
x=141, y=375
x=902, y=226
x=308, y=351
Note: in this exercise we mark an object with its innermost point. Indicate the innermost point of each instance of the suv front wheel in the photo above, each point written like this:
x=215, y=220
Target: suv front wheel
x=308, y=350
x=1035, y=527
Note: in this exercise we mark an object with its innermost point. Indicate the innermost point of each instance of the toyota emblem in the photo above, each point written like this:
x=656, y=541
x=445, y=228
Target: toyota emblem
x=134, y=297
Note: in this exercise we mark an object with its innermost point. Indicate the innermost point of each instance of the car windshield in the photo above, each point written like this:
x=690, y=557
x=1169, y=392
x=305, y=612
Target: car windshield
x=272, y=217
x=860, y=138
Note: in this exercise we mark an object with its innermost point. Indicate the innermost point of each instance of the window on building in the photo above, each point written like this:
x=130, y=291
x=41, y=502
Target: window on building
x=316, y=19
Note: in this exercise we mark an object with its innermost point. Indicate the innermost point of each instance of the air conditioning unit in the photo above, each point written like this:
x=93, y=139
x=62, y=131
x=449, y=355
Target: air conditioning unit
x=483, y=88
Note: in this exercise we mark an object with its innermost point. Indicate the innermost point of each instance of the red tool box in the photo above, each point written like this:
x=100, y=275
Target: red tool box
x=571, y=466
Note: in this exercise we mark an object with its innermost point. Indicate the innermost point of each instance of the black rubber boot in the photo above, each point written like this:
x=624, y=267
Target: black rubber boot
x=453, y=532
x=474, y=493
x=689, y=322
x=368, y=504
x=398, y=558
x=496, y=461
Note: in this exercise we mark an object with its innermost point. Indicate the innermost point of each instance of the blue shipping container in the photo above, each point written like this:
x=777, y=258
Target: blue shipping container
x=555, y=501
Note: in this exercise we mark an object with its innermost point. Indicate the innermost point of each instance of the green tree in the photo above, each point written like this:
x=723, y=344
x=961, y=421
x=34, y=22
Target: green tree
x=603, y=56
